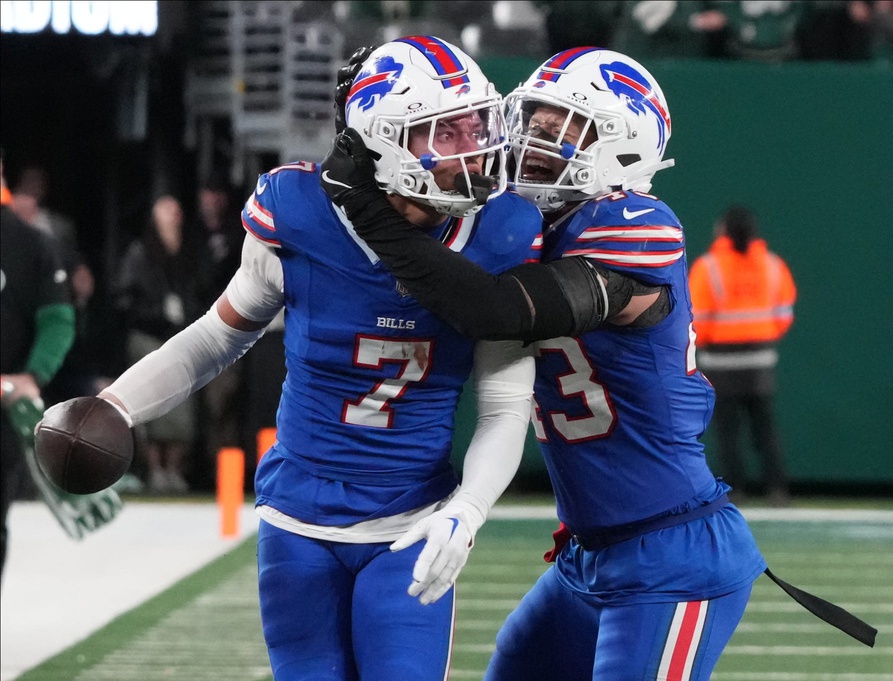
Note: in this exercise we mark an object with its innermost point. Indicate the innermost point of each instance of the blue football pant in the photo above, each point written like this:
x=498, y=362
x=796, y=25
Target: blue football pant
x=557, y=633
x=340, y=612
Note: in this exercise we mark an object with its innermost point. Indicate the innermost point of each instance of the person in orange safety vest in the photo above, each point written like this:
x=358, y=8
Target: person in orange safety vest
x=742, y=298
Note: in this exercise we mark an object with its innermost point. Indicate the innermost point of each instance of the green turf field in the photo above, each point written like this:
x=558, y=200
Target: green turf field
x=207, y=627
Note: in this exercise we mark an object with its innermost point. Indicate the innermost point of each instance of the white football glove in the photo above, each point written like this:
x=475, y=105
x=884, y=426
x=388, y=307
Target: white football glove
x=450, y=536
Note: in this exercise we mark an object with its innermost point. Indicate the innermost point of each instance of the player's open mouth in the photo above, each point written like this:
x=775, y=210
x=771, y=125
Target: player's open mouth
x=536, y=170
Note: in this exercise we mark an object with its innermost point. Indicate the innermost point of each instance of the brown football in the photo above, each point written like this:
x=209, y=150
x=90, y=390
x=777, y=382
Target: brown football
x=83, y=445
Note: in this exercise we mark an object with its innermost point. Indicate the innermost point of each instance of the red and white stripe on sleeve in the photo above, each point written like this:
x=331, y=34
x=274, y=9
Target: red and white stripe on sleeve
x=646, y=246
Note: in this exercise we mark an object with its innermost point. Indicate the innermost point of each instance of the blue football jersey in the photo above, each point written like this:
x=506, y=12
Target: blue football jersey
x=619, y=410
x=366, y=416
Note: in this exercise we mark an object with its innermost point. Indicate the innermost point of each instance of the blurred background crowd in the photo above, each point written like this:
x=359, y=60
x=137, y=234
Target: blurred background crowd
x=136, y=148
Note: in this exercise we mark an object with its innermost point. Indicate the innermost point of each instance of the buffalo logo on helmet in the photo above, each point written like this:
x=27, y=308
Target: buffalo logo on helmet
x=626, y=82
x=374, y=83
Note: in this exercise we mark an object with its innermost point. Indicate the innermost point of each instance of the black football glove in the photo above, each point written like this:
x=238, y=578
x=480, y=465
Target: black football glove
x=346, y=76
x=348, y=173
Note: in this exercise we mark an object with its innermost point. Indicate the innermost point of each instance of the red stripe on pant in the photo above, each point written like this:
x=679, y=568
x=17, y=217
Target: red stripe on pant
x=682, y=649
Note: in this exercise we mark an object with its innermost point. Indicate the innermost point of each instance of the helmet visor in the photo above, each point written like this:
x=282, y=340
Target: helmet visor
x=475, y=131
x=454, y=151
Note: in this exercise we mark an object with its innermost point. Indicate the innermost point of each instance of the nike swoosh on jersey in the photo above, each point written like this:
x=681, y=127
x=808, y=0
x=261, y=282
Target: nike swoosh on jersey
x=630, y=214
x=325, y=177
x=261, y=188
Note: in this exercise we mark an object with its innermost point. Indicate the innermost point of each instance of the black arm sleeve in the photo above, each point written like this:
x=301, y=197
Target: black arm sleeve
x=529, y=302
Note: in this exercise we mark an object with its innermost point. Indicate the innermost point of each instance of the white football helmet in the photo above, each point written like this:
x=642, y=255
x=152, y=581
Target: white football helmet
x=625, y=128
x=421, y=85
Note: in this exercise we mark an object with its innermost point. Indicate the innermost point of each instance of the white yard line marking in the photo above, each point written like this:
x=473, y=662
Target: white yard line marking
x=805, y=651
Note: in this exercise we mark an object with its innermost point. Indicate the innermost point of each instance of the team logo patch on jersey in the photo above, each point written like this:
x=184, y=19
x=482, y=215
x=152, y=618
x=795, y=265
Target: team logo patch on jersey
x=626, y=82
x=371, y=85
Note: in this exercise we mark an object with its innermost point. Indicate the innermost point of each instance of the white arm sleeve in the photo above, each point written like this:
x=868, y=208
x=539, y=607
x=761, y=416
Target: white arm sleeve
x=255, y=291
x=504, y=374
x=191, y=359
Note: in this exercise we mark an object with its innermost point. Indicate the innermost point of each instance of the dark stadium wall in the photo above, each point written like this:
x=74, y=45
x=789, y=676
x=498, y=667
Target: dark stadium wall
x=104, y=115
x=808, y=146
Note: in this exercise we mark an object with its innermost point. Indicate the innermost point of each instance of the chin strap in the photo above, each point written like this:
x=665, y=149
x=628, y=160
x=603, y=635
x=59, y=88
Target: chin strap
x=480, y=189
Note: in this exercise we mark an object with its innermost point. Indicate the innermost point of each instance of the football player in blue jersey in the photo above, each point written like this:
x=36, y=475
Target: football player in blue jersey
x=653, y=565
x=360, y=472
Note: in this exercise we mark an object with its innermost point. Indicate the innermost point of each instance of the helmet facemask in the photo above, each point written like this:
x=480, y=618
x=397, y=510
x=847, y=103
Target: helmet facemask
x=471, y=138
x=555, y=150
